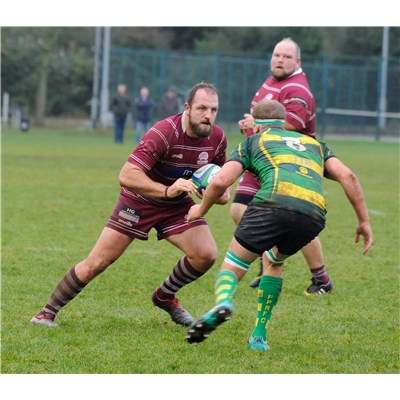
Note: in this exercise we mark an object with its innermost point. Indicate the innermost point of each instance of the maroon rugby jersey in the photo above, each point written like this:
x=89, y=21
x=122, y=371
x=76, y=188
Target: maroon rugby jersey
x=167, y=153
x=295, y=94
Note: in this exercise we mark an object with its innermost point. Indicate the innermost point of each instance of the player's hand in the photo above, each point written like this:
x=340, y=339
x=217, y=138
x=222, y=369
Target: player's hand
x=200, y=195
x=364, y=229
x=181, y=185
x=194, y=213
x=246, y=123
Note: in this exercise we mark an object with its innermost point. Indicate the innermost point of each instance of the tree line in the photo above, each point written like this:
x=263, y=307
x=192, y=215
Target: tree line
x=49, y=70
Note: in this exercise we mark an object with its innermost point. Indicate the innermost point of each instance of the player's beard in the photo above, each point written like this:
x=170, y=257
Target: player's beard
x=279, y=74
x=200, y=130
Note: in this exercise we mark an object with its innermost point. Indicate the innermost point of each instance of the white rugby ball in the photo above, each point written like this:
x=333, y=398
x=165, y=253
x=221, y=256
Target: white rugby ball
x=204, y=175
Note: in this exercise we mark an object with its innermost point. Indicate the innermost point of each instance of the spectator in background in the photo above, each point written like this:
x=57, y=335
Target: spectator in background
x=169, y=104
x=144, y=104
x=120, y=106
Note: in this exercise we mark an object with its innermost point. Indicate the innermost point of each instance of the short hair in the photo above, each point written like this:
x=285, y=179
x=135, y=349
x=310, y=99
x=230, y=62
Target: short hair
x=289, y=39
x=208, y=87
x=269, y=109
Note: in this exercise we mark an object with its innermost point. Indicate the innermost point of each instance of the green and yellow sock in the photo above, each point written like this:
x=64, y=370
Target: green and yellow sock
x=225, y=286
x=267, y=297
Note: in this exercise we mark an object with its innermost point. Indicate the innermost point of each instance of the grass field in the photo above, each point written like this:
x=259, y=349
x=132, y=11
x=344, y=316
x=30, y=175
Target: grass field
x=58, y=189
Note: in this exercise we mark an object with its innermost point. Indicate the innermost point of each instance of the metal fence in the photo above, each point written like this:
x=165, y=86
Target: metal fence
x=347, y=89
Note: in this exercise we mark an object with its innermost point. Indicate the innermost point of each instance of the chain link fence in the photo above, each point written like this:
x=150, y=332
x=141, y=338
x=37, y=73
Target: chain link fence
x=347, y=89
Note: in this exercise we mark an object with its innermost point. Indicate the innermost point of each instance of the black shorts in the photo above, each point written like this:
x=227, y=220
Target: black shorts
x=242, y=198
x=262, y=228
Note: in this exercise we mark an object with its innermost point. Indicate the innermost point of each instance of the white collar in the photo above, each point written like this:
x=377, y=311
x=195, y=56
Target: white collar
x=183, y=122
x=299, y=71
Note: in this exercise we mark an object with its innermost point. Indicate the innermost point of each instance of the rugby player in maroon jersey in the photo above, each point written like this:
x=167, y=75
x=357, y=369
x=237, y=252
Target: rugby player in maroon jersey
x=156, y=193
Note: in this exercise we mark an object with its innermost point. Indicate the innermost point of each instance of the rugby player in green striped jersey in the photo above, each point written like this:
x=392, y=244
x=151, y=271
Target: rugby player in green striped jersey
x=286, y=213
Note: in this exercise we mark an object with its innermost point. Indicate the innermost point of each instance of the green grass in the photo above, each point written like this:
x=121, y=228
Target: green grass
x=58, y=189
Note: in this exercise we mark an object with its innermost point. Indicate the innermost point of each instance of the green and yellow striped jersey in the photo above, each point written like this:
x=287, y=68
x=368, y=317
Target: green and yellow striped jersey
x=290, y=167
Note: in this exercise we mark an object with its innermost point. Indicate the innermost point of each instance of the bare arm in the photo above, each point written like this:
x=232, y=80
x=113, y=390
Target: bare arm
x=289, y=127
x=133, y=178
x=224, y=199
x=337, y=171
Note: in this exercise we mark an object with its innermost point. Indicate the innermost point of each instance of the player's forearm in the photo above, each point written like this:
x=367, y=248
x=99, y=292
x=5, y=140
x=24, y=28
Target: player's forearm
x=211, y=196
x=337, y=171
x=226, y=196
x=354, y=193
x=137, y=181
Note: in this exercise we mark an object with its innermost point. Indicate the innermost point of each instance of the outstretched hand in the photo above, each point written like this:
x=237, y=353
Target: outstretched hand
x=364, y=229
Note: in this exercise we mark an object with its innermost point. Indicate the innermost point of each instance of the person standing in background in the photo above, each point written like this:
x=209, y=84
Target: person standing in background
x=169, y=104
x=144, y=105
x=120, y=106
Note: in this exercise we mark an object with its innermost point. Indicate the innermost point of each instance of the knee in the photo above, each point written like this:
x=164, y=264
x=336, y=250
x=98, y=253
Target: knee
x=204, y=260
x=93, y=266
x=210, y=258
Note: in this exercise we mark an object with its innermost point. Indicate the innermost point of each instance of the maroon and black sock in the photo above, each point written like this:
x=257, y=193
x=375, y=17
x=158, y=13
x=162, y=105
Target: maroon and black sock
x=182, y=274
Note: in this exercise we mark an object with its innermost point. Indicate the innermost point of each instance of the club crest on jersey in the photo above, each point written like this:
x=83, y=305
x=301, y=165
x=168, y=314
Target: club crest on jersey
x=203, y=158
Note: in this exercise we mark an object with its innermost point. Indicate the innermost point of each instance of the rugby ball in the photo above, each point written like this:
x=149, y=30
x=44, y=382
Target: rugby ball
x=204, y=175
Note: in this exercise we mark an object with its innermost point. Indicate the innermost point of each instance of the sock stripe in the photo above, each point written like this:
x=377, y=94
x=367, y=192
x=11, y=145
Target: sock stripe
x=225, y=285
x=66, y=290
x=182, y=274
x=234, y=260
x=271, y=256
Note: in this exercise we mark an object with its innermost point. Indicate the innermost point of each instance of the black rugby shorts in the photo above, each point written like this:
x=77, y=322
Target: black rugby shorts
x=262, y=227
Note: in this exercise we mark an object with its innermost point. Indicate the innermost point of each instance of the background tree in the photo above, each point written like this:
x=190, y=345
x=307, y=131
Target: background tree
x=50, y=69
x=34, y=59
x=259, y=41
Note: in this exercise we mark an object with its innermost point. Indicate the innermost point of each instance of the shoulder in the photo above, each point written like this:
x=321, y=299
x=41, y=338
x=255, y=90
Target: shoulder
x=170, y=126
x=328, y=153
x=218, y=132
x=297, y=80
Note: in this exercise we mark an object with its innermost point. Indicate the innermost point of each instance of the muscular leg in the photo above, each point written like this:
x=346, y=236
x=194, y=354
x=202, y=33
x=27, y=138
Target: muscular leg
x=109, y=247
x=237, y=210
x=321, y=283
x=198, y=245
x=200, y=254
x=312, y=253
x=235, y=265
